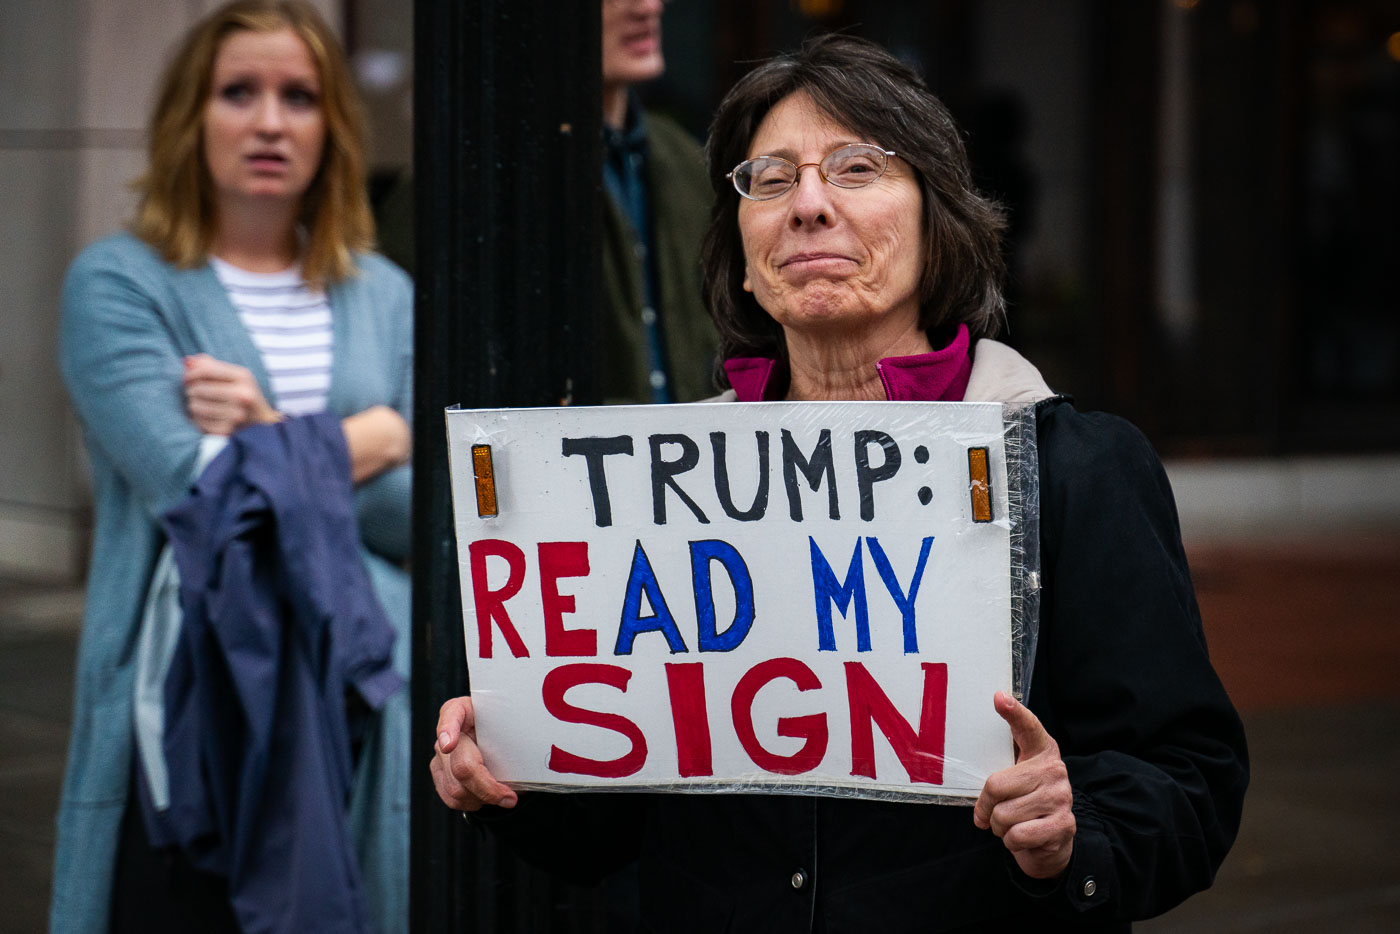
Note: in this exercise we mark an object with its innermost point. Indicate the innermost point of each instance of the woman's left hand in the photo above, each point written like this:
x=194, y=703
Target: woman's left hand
x=224, y=397
x=1029, y=805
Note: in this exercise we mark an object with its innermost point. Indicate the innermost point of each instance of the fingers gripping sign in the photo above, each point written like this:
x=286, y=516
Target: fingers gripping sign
x=1029, y=806
x=459, y=773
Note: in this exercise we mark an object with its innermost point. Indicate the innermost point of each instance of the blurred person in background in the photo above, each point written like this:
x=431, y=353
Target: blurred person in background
x=850, y=258
x=655, y=341
x=244, y=295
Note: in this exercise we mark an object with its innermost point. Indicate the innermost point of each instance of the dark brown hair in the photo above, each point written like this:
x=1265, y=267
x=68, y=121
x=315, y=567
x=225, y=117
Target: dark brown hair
x=867, y=90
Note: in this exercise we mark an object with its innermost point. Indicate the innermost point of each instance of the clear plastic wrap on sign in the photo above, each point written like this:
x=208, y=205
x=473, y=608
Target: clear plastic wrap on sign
x=1023, y=506
x=793, y=598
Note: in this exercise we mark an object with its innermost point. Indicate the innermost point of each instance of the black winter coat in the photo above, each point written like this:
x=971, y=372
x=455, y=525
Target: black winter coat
x=1155, y=753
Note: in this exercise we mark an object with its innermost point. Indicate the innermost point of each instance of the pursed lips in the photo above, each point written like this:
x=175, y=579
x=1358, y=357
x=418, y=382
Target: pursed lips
x=808, y=259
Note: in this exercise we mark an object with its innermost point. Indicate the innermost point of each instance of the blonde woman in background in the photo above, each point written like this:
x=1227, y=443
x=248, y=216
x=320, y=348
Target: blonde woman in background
x=245, y=293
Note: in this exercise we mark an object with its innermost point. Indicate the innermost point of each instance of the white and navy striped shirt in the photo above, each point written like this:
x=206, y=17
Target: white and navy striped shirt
x=291, y=326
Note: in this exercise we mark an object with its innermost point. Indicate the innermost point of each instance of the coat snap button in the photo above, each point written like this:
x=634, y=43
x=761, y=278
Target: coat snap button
x=799, y=879
x=1090, y=887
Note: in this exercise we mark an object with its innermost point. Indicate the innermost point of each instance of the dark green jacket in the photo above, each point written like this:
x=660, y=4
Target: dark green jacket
x=678, y=192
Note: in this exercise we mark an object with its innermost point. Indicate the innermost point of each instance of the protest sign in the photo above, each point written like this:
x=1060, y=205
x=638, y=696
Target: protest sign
x=776, y=596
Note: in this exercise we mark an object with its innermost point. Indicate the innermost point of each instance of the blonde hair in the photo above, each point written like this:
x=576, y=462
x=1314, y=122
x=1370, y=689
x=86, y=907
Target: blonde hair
x=176, y=213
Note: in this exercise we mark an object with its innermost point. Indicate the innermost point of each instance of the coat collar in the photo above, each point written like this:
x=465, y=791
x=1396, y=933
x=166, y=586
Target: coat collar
x=940, y=376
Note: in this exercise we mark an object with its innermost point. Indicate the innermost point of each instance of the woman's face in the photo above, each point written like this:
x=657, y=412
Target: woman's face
x=264, y=128
x=822, y=258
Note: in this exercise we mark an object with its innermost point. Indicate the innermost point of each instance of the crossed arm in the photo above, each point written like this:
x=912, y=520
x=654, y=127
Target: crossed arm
x=223, y=397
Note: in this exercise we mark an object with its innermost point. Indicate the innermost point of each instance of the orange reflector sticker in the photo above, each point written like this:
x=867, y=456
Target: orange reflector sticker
x=485, y=480
x=980, y=484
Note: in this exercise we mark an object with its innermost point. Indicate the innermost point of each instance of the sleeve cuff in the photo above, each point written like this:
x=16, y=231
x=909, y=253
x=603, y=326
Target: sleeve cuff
x=1088, y=882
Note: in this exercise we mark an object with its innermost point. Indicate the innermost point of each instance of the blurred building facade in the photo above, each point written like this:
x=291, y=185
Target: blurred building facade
x=1204, y=203
x=1203, y=198
x=76, y=84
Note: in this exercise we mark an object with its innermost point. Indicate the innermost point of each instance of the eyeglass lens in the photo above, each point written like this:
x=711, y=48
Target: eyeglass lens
x=848, y=167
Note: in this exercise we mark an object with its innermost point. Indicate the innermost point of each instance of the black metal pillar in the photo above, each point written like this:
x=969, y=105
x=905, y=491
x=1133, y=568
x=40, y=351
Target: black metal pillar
x=507, y=179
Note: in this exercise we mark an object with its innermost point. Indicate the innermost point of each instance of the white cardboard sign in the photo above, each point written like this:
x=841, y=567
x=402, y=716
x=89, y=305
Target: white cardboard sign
x=770, y=596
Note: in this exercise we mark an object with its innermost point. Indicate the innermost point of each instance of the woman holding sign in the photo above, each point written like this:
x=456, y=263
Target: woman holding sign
x=849, y=258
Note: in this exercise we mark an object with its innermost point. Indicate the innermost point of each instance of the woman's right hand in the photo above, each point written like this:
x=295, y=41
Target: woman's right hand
x=224, y=397
x=461, y=777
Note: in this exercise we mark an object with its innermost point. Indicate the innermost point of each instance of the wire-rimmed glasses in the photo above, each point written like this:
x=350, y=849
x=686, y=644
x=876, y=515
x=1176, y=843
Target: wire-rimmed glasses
x=766, y=177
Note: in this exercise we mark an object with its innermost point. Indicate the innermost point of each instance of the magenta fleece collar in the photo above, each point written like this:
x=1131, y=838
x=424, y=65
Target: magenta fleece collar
x=940, y=376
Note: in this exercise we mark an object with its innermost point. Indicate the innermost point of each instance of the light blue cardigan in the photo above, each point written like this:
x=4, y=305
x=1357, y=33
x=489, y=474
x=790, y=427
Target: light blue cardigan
x=128, y=320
